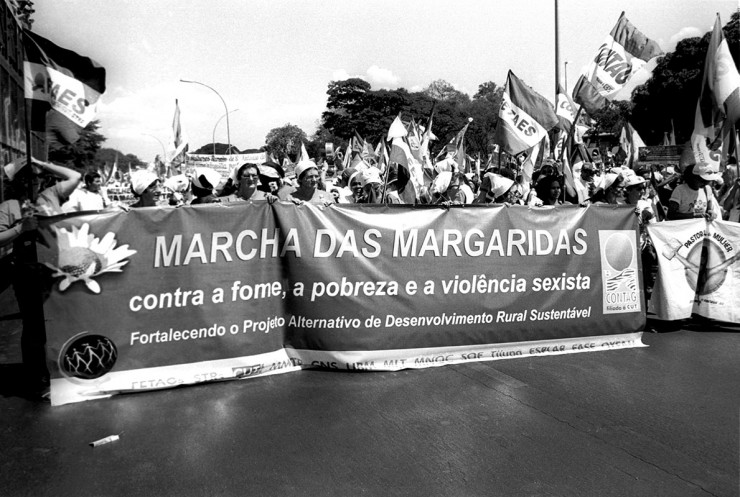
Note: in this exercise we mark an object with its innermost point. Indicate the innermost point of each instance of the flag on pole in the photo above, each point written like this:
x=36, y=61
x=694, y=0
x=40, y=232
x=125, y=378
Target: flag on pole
x=347, y=158
x=630, y=142
x=358, y=143
x=624, y=52
x=409, y=170
x=178, y=144
x=456, y=148
x=382, y=153
x=414, y=139
x=113, y=172
x=529, y=162
x=560, y=140
x=64, y=88
x=397, y=129
x=303, y=154
x=427, y=137
x=368, y=154
x=719, y=100
x=525, y=117
x=567, y=110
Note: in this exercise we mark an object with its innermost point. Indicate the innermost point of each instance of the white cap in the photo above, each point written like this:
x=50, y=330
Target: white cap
x=141, y=179
x=206, y=178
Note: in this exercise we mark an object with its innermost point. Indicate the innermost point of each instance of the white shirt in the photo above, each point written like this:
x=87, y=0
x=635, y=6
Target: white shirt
x=83, y=199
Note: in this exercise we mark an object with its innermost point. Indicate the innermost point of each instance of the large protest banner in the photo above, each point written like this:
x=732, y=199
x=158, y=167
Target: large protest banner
x=698, y=270
x=155, y=298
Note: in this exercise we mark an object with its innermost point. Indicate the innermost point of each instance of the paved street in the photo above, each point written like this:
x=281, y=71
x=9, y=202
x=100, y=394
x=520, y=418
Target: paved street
x=655, y=421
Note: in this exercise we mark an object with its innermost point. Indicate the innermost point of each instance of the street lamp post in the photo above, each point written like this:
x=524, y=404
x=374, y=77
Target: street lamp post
x=228, y=129
x=164, y=152
x=213, y=138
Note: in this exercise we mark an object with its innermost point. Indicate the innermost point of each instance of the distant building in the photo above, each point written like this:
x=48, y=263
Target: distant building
x=12, y=101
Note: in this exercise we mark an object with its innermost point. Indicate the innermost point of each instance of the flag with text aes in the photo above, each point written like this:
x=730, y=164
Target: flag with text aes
x=63, y=83
x=525, y=117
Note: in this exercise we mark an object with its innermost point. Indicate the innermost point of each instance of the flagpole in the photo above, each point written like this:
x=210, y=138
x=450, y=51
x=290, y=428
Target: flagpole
x=557, y=52
x=385, y=176
x=569, y=140
x=29, y=152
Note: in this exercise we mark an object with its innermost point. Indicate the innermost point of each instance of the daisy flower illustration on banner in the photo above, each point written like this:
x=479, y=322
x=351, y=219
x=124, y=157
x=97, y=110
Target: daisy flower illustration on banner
x=82, y=257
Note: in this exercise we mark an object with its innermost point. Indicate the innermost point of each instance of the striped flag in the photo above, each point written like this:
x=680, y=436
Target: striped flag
x=719, y=100
x=347, y=159
x=630, y=142
x=624, y=52
x=456, y=148
x=414, y=139
x=64, y=88
x=427, y=137
x=567, y=110
x=525, y=117
x=178, y=144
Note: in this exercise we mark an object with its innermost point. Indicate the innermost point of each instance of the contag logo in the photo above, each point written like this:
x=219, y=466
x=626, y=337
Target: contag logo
x=619, y=271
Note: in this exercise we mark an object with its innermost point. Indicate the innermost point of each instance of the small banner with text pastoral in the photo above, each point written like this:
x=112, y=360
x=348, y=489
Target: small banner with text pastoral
x=698, y=269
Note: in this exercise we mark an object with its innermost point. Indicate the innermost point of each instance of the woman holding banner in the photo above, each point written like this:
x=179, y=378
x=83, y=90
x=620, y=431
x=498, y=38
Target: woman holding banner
x=694, y=198
x=308, y=186
x=247, y=178
x=610, y=190
x=635, y=193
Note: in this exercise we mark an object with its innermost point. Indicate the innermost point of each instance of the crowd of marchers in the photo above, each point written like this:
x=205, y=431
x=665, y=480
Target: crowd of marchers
x=46, y=189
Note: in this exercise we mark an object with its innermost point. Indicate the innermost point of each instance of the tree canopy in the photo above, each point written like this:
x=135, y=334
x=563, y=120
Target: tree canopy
x=285, y=141
x=81, y=154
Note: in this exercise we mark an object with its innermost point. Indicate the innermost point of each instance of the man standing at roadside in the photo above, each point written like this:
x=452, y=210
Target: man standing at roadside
x=90, y=197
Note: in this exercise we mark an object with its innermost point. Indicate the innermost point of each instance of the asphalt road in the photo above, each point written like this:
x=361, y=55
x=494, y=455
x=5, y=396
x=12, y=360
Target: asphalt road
x=655, y=421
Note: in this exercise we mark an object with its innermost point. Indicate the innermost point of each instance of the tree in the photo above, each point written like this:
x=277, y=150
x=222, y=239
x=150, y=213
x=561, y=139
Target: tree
x=611, y=119
x=220, y=149
x=444, y=91
x=484, y=110
x=376, y=116
x=81, y=154
x=285, y=141
x=346, y=100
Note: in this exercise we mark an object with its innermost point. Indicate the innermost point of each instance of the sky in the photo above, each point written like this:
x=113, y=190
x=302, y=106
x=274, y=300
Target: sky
x=271, y=61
